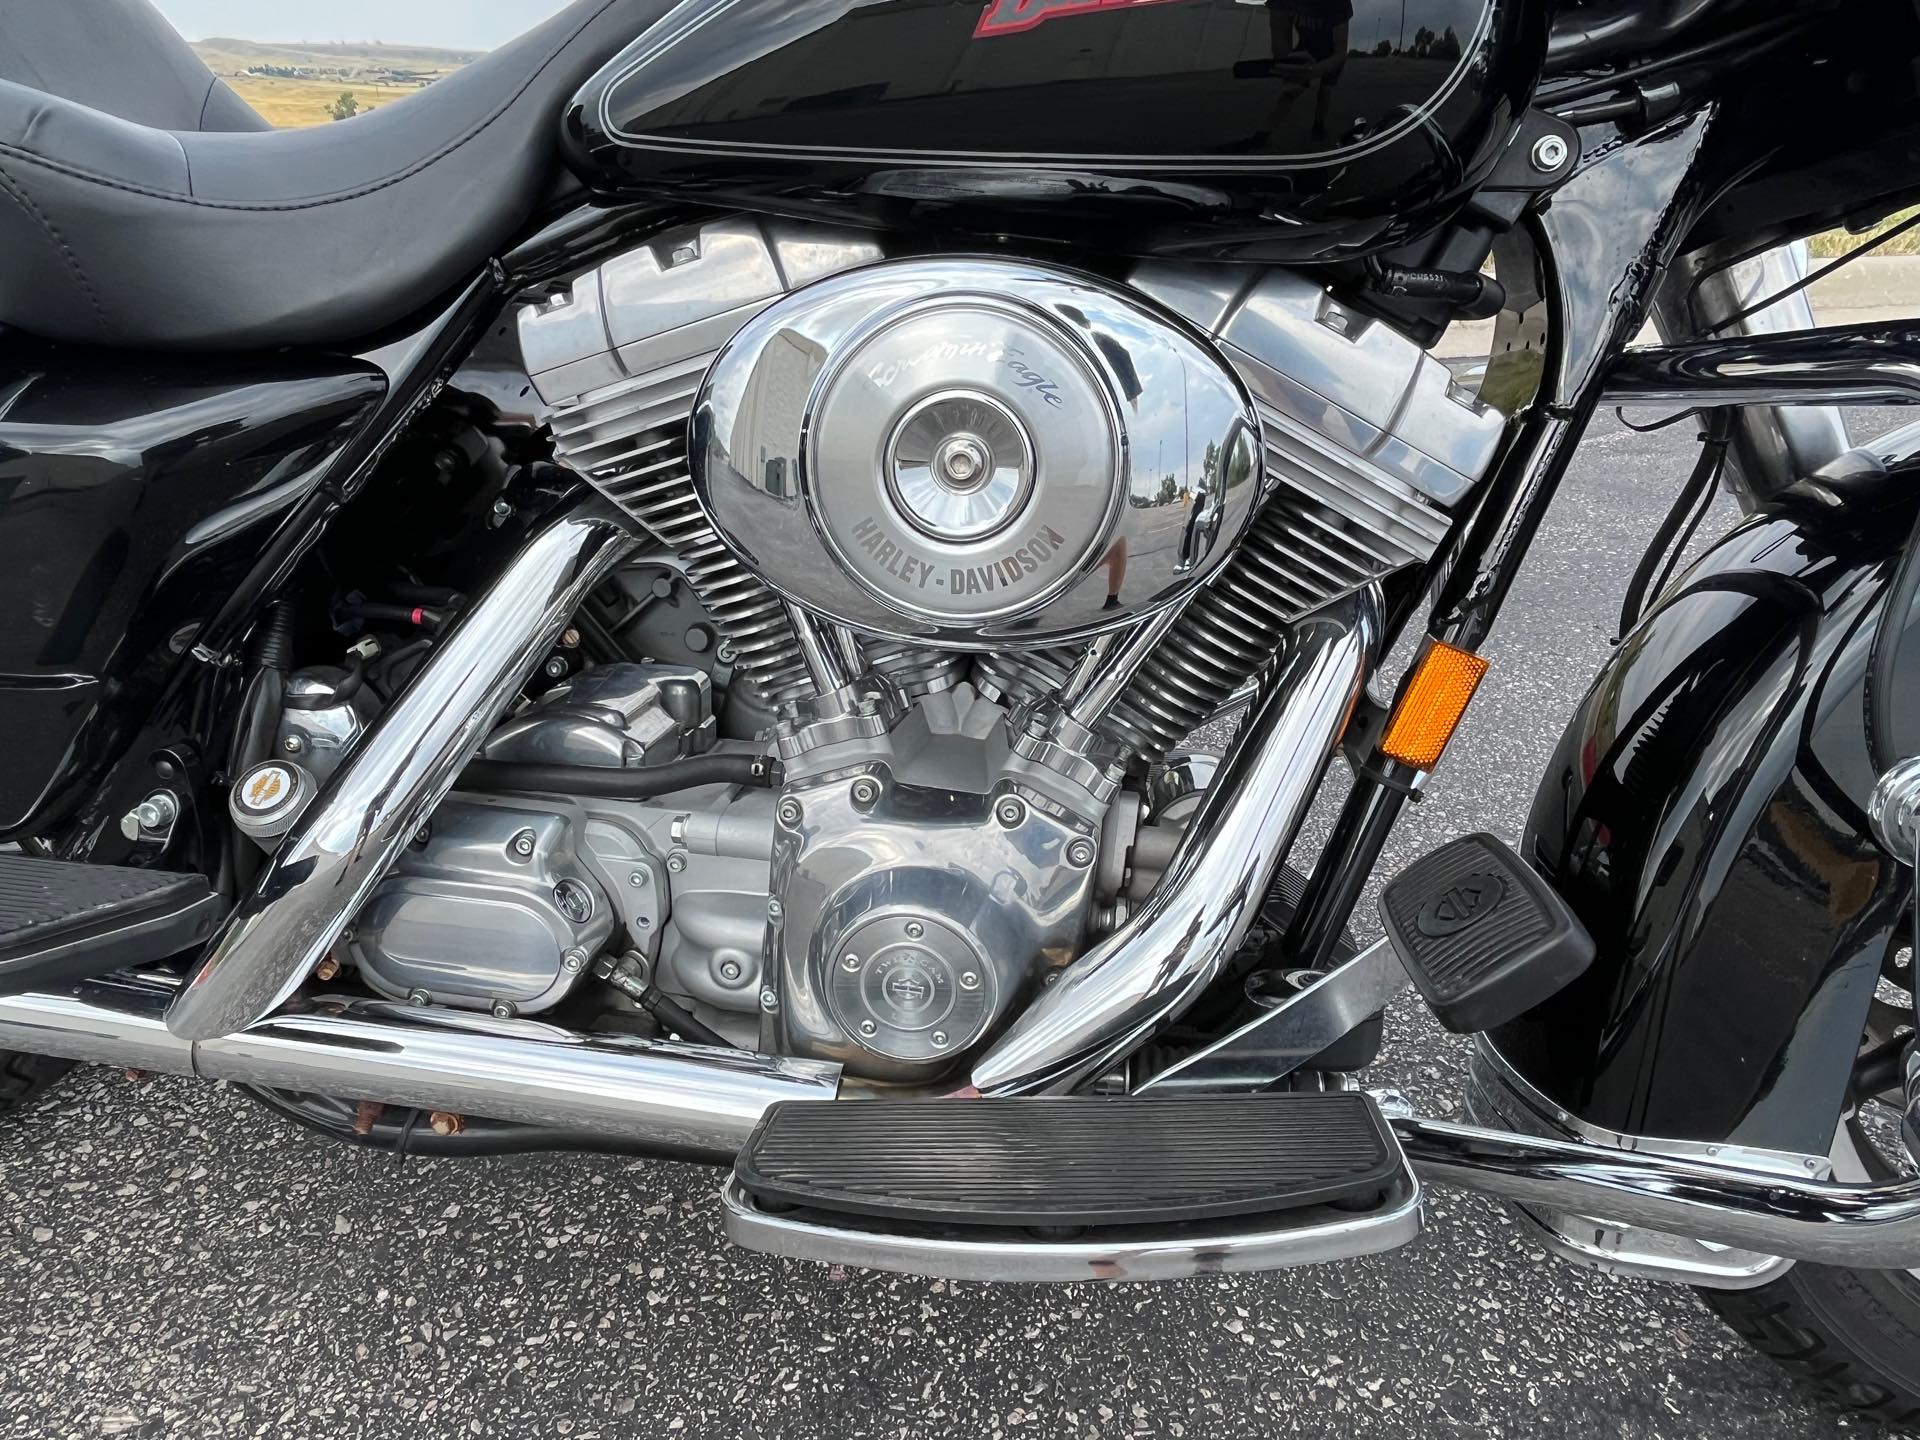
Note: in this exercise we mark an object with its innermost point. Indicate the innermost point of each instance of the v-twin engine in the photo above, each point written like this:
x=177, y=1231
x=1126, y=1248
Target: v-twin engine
x=984, y=539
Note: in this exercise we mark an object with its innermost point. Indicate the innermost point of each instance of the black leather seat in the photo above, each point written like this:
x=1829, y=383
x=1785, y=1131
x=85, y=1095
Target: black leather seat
x=113, y=233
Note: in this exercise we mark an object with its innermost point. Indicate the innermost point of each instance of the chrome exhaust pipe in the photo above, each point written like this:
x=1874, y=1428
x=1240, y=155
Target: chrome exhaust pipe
x=688, y=1100
x=1125, y=988
x=329, y=862
x=1866, y=1227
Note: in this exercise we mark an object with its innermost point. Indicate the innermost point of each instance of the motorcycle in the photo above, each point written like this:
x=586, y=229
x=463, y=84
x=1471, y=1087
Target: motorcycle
x=667, y=580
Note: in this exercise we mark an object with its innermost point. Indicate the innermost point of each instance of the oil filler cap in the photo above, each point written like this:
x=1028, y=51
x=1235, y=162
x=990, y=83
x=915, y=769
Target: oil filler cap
x=1484, y=938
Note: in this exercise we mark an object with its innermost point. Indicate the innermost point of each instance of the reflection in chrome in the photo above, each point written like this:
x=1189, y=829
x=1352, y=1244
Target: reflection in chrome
x=975, y=450
x=1120, y=992
x=332, y=858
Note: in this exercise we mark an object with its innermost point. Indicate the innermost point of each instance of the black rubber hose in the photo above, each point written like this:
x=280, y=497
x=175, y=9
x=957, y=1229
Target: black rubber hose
x=682, y=1021
x=273, y=646
x=348, y=687
x=518, y=777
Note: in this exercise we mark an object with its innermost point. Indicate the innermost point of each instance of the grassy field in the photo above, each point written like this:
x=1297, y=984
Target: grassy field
x=374, y=75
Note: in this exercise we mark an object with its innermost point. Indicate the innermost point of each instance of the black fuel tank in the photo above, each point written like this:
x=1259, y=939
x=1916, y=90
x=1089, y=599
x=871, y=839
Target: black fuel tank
x=1275, y=130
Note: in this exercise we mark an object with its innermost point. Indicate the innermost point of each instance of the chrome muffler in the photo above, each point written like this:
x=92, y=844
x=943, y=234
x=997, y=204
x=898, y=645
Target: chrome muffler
x=328, y=864
x=691, y=1101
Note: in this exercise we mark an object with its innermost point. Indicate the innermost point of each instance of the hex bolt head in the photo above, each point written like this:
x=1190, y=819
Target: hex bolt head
x=1009, y=812
x=774, y=911
x=501, y=509
x=677, y=861
x=574, y=960
x=915, y=929
x=637, y=878
x=730, y=970
x=789, y=812
x=502, y=1010
x=1549, y=153
x=293, y=745
x=417, y=996
x=556, y=667
x=1080, y=854
x=865, y=791
x=523, y=844
x=769, y=1001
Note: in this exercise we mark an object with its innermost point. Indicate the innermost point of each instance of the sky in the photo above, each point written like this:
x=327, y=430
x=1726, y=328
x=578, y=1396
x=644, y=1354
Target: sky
x=456, y=24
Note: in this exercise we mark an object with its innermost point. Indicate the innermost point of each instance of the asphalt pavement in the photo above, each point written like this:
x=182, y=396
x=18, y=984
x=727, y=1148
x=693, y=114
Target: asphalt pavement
x=175, y=1262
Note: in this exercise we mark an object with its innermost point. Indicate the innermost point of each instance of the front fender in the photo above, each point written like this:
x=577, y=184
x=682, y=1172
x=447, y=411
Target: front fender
x=1705, y=816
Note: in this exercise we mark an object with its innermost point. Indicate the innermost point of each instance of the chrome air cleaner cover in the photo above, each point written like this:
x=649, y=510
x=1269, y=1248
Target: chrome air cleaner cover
x=968, y=451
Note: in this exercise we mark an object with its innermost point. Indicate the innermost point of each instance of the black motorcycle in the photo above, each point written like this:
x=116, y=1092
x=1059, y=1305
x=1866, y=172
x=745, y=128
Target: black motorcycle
x=669, y=579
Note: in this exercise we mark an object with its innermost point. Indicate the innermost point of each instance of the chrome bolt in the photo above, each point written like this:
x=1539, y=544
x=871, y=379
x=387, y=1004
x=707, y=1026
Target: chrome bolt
x=1893, y=810
x=556, y=667
x=915, y=929
x=725, y=653
x=523, y=844
x=502, y=1009
x=769, y=1001
x=774, y=911
x=157, y=811
x=939, y=1039
x=637, y=878
x=1009, y=812
x=789, y=812
x=417, y=996
x=869, y=1029
x=294, y=745
x=730, y=970
x=574, y=959
x=570, y=638
x=850, y=962
x=1080, y=854
x=1549, y=153
x=969, y=980
x=677, y=861
x=865, y=792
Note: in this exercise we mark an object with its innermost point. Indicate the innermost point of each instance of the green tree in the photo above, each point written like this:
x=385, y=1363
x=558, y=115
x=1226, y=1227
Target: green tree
x=345, y=108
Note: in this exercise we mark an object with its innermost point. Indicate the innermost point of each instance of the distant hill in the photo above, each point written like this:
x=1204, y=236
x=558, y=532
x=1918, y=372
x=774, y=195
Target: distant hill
x=300, y=84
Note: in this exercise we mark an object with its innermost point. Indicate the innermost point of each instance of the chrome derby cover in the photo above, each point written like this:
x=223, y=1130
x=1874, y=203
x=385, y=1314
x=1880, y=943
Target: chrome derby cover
x=975, y=450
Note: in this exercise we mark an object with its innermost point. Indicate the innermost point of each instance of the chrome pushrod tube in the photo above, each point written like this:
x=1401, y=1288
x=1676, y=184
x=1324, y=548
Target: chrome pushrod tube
x=1869, y=1227
x=1842, y=365
x=1126, y=987
x=689, y=1100
x=329, y=862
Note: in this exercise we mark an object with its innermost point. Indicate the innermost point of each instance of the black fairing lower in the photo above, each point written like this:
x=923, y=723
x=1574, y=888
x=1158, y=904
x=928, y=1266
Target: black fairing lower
x=1705, y=815
x=135, y=493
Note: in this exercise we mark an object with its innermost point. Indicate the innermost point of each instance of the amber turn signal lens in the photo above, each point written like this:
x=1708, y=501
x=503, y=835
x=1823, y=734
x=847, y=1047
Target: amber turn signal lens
x=1430, y=707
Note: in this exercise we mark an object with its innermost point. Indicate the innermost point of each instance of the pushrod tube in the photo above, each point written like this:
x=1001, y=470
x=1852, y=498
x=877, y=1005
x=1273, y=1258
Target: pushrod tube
x=1125, y=988
x=329, y=862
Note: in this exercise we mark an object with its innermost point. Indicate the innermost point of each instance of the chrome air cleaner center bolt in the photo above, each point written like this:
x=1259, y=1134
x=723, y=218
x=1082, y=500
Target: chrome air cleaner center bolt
x=960, y=466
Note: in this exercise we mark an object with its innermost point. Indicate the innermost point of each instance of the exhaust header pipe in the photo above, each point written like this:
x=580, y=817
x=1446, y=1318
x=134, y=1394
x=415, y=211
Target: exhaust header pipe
x=688, y=1100
x=329, y=862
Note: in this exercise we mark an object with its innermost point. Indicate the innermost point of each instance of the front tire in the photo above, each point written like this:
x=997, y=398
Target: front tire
x=1853, y=1335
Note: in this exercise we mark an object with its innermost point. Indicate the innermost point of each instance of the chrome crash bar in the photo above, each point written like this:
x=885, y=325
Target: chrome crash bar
x=329, y=862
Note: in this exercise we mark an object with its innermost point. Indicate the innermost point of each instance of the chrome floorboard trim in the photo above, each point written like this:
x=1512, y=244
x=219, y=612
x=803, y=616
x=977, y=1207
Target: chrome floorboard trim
x=1214, y=1247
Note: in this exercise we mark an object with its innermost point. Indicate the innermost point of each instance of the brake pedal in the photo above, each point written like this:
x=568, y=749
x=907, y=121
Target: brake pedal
x=1483, y=936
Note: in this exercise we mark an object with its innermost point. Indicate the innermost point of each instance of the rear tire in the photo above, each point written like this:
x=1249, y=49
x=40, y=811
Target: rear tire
x=24, y=1076
x=1853, y=1335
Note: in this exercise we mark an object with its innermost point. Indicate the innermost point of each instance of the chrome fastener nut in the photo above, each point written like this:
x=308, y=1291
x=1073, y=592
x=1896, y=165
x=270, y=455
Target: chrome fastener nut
x=1009, y=812
x=574, y=960
x=789, y=812
x=1080, y=853
x=730, y=970
x=939, y=1039
x=677, y=861
x=769, y=1001
x=503, y=1010
x=869, y=1029
x=417, y=996
x=969, y=980
x=636, y=878
x=556, y=667
x=850, y=963
x=865, y=791
x=915, y=929
x=774, y=910
x=523, y=844
x=1550, y=153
